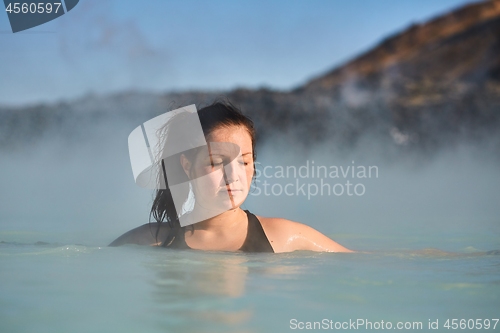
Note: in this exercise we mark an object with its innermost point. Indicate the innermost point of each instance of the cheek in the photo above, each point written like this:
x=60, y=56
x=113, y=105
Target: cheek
x=210, y=181
x=250, y=173
x=214, y=179
x=206, y=180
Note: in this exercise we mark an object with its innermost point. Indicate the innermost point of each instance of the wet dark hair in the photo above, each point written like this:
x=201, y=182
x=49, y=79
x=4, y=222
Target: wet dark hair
x=219, y=114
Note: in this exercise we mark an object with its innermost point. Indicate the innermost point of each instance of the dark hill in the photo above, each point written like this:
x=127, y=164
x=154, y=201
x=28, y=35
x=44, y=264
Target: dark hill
x=435, y=83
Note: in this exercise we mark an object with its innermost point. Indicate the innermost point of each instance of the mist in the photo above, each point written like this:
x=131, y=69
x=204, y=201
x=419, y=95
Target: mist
x=81, y=191
x=450, y=194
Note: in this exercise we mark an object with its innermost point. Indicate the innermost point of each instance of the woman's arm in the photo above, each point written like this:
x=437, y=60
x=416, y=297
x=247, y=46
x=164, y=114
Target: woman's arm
x=288, y=236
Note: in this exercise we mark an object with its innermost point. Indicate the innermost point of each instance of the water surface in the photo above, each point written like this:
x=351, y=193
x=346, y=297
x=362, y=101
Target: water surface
x=77, y=288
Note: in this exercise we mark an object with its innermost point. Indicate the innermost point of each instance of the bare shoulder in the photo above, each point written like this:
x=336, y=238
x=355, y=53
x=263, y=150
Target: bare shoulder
x=288, y=236
x=143, y=235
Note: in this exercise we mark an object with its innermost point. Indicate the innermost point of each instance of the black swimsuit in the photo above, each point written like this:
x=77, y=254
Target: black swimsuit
x=256, y=240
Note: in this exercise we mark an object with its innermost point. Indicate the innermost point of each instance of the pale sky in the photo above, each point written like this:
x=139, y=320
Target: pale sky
x=105, y=46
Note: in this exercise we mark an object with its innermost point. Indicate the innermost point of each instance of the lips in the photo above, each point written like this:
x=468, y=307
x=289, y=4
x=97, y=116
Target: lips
x=232, y=191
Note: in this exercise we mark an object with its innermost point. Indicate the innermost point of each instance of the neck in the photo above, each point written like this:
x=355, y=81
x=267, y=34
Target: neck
x=223, y=222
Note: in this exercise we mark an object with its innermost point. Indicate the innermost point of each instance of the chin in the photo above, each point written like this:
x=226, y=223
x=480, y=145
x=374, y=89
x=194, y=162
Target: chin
x=234, y=202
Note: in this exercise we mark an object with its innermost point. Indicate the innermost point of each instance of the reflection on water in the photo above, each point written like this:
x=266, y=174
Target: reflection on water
x=207, y=288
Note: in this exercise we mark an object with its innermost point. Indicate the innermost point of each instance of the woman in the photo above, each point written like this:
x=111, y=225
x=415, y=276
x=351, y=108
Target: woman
x=219, y=178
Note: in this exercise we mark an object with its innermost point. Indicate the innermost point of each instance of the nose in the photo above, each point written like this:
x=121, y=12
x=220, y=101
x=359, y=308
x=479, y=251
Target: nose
x=232, y=172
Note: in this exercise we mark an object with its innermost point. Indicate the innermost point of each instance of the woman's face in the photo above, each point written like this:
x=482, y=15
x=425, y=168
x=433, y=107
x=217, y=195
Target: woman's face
x=221, y=175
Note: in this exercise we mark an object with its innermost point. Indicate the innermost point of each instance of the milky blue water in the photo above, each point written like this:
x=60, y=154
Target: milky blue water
x=426, y=225
x=79, y=288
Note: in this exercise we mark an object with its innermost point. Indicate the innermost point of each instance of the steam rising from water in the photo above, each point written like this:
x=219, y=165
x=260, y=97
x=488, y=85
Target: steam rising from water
x=453, y=192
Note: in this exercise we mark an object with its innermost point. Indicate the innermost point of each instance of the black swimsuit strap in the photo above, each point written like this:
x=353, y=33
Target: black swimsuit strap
x=255, y=241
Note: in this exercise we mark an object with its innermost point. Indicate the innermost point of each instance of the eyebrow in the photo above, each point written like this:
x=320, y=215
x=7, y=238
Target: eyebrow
x=217, y=154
